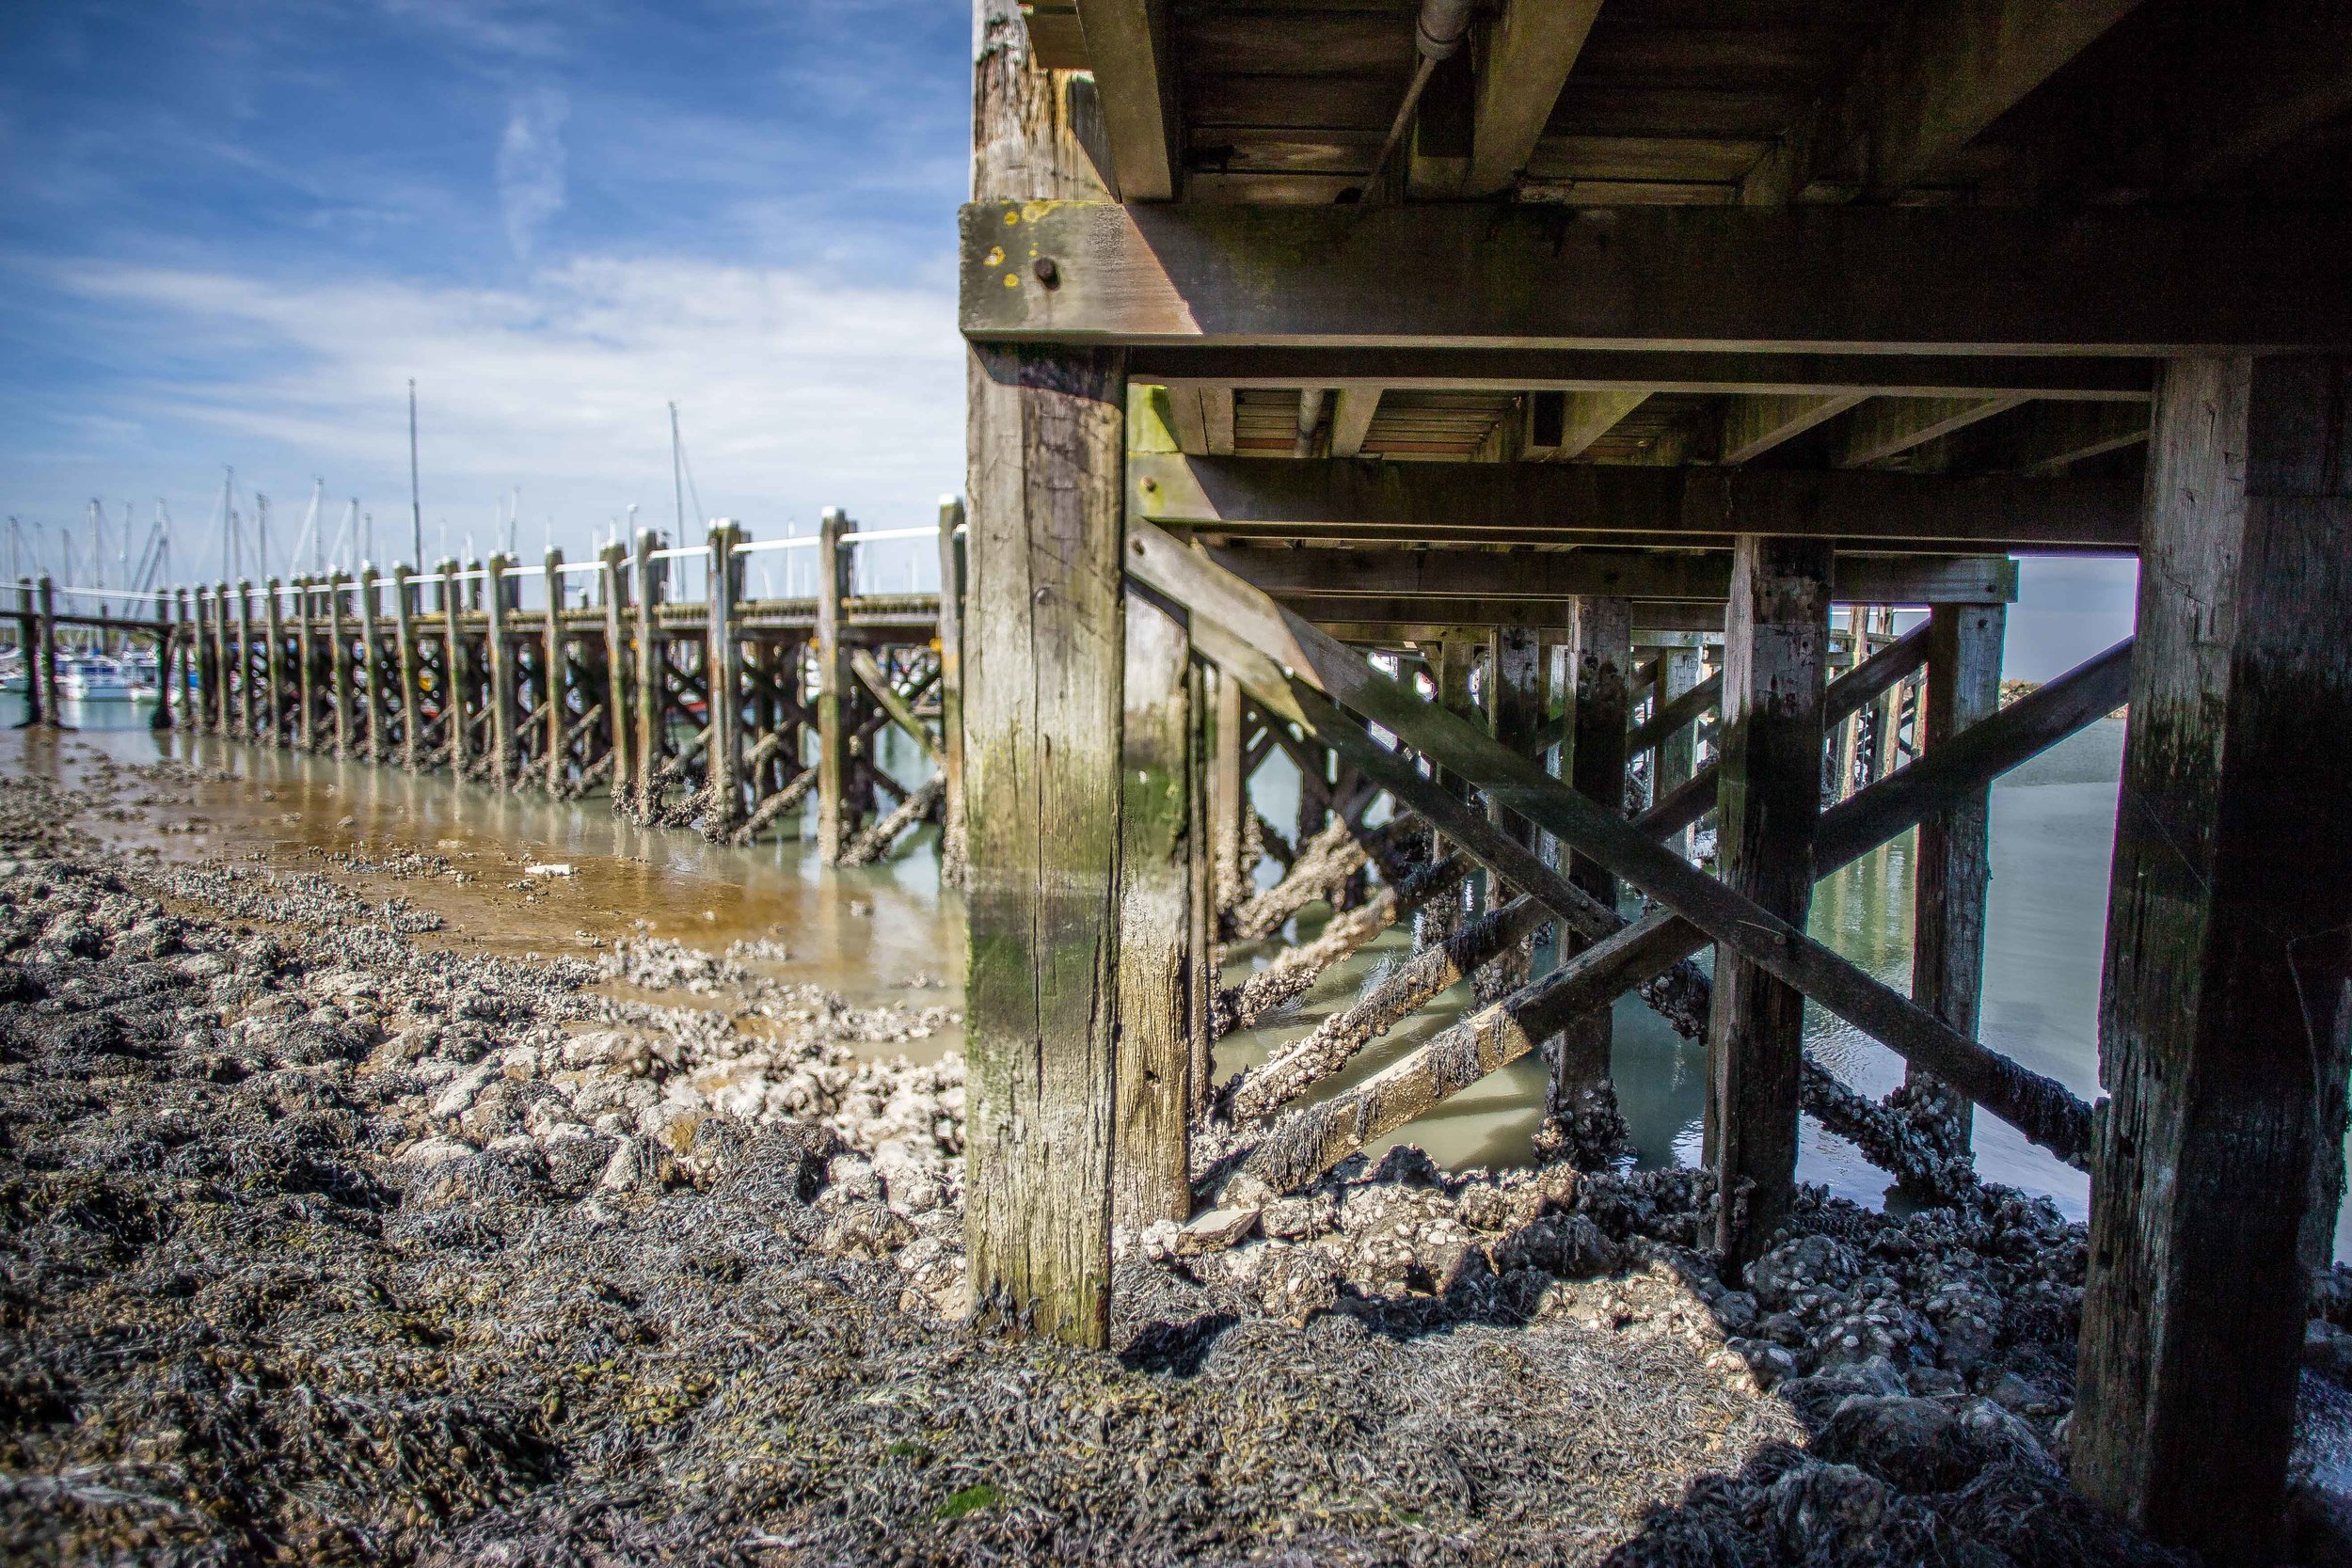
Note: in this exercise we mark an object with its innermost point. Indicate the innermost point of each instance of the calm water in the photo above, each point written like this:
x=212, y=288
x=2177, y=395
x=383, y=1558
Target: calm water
x=887, y=932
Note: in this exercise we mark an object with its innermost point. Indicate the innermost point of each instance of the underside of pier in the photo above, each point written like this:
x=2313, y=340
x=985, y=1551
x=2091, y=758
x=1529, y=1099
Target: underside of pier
x=1526, y=415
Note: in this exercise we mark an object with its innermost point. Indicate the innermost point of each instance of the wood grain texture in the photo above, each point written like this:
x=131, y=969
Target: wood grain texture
x=1042, y=715
x=1594, y=755
x=1150, y=1178
x=2228, y=985
x=1768, y=805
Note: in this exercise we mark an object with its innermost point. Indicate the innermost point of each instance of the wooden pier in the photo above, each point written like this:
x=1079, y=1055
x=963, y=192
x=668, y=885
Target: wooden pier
x=1523, y=416
x=727, y=714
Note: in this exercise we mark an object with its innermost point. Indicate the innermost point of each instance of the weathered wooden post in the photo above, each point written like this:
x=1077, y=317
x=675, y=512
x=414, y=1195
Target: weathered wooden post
x=951, y=848
x=404, y=648
x=1849, y=745
x=1601, y=652
x=1455, y=662
x=274, y=662
x=339, y=661
x=1954, y=859
x=47, y=670
x=1515, y=711
x=372, y=677
x=456, y=670
x=1150, y=1172
x=161, y=719
x=498, y=655
x=1676, y=758
x=723, y=682
x=1887, y=713
x=28, y=642
x=208, y=661
x=834, y=761
x=555, y=677
x=225, y=716
x=1229, y=793
x=2215, y=1172
x=191, y=660
x=619, y=712
x=1045, y=665
x=652, y=687
x=305, y=666
x=245, y=705
x=1775, y=646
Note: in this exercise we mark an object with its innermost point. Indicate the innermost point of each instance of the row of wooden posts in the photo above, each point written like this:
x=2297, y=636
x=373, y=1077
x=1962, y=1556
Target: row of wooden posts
x=728, y=714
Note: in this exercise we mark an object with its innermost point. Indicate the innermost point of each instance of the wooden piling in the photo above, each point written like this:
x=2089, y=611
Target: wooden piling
x=1515, y=712
x=306, y=667
x=34, y=652
x=1676, y=758
x=1150, y=1178
x=652, y=687
x=1229, y=794
x=224, y=715
x=404, y=648
x=164, y=651
x=456, y=670
x=191, y=663
x=245, y=705
x=1042, y=721
x=2222, y=1033
x=1953, y=864
x=339, y=663
x=1601, y=652
x=499, y=659
x=274, y=662
x=371, y=676
x=1767, y=804
x=555, y=678
x=723, y=683
x=952, y=858
x=834, y=761
x=619, y=711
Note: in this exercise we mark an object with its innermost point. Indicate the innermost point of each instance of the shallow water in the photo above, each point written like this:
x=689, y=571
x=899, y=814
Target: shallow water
x=889, y=932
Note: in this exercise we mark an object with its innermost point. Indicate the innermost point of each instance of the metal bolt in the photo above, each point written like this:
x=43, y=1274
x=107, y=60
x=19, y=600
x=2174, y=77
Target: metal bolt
x=1046, y=272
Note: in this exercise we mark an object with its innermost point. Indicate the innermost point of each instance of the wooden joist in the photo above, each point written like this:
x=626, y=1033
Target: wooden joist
x=1755, y=422
x=1529, y=51
x=1883, y=428
x=1620, y=574
x=1935, y=77
x=1135, y=79
x=1564, y=425
x=1538, y=502
x=2105, y=281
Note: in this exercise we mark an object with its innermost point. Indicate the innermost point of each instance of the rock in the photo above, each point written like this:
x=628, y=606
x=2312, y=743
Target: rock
x=1570, y=1247
x=454, y=1100
x=1827, y=1513
x=1216, y=1230
x=427, y=1152
x=851, y=1177
x=1794, y=1267
x=1736, y=1312
x=1815, y=1398
x=864, y=1229
x=2327, y=1351
x=1912, y=1443
x=638, y=1163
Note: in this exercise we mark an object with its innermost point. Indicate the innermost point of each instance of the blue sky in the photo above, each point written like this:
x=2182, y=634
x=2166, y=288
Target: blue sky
x=230, y=232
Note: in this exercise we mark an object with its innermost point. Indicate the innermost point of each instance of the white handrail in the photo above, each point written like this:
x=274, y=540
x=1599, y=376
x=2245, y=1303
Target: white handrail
x=677, y=552
x=874, y=536
x=790, y=542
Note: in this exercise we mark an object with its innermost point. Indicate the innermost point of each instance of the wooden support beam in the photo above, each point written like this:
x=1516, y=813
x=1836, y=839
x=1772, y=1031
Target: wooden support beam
x=224, y=715
x=1888, y=427
x=1953, y=863
x=1529, y=51
x=952, y=854
x=306, y=668
x=1351, y=418
x=1769, y=799
x=1042, y=721
x=273, y=663
x=33, y=641
x=1754, y=424
x=404, y=646
x=1936, y=76
x=651, y=685
x=164, y=649
x=1495, y=369
x=245, y=660
x=1134, y=77
x=877, y=683
x=1594, y=755
x=833, y=759
x=499, y=657
x=191, y=657
x=1676, y=751
x=1677, y=713
x=2144, y=280
x=372, y=683
x=2062, y=434
x=1468, y=576
x=1228, y=795
x=1150, y=1174
x=339, y=663
x=620, y=696
x=1545, y=502
x=722, y=669
x=2222, y=1018
x=1564, y=425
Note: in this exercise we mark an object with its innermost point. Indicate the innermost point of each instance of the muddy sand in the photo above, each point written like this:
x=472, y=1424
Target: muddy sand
x=323, y=1240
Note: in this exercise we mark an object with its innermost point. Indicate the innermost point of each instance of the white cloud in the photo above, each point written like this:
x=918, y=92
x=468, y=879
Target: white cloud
x=531, y=166
x=795, y=391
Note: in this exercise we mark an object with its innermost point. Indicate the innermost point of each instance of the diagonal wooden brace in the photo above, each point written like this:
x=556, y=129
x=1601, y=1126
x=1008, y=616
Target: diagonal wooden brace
x=1293, y=669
